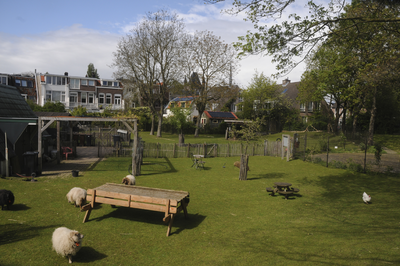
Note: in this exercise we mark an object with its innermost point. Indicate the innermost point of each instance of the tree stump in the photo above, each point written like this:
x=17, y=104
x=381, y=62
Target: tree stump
x=244, y=160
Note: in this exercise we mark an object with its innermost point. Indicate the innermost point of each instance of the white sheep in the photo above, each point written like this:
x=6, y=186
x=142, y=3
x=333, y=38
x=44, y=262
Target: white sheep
x=129, y=180
x=77, y=195
x=66, y=242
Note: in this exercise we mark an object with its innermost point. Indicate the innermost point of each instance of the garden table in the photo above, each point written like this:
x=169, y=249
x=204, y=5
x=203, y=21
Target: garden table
x=197, y=162
x=171, y=202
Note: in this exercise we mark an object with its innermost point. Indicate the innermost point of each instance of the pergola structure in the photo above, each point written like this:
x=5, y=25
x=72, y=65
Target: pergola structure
x=45, y=121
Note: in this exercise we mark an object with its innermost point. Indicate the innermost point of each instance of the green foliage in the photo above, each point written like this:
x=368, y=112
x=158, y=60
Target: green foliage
x=180, y=118
x=92, y=71
x=79, y=111
x=378, y=152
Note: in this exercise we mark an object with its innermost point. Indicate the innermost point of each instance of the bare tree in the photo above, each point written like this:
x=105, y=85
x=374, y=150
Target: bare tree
x=148, y=57
x=208, y=64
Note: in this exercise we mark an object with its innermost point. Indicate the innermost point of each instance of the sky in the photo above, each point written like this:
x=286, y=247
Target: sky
x=65, y=36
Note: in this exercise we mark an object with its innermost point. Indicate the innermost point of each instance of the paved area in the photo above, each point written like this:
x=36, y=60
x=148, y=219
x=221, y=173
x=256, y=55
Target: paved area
x=86, y=158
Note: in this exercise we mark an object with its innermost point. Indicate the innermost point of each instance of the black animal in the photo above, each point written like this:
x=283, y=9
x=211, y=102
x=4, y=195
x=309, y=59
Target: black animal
x=6, y=198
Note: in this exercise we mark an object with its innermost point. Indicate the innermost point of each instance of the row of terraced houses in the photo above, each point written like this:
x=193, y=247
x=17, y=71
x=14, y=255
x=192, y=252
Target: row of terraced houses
x=92, y=93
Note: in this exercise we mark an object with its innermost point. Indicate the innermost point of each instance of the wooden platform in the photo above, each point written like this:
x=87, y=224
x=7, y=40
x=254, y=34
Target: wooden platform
x=171, y=202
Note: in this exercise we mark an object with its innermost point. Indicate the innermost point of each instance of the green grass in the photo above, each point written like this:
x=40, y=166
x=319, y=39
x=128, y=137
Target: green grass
x=231, y=222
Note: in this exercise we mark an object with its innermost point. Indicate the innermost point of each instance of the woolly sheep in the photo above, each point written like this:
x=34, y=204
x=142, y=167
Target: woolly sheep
x=77, y=196
x=237, y=164
x=129, y=180
x=66, y=242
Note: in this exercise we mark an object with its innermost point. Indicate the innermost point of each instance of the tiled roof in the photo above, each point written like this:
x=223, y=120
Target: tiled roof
x=220, y=115
x=12, y=104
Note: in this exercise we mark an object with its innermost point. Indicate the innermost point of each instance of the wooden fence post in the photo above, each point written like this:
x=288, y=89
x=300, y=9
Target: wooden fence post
x=157, y=150
x=173, y=155
x=188, y=150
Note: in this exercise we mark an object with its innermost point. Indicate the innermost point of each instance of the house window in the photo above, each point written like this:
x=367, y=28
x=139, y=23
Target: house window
x=58, y=80
x=25, y=96
x=215, y=121
x=304, y=118
x=203, y=121
x=91, y=98
x=84, y=82
x=55, y=96
x=73, y=97
x=48, y=79
x=317, y=106
x=302, y=107
x=91, y=82
x=18, y=82
x=74, y=83
x=115, y=84
x=104, y=83
x=101, y=98
x=108, y=98
x=29, y=83
x=3, y=80
x=183, y=104
x=117, y=99
x=310, y=106
x=23, y=83
x=83, y=97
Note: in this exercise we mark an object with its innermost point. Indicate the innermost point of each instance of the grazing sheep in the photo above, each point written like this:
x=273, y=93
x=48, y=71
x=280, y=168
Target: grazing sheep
x=77, y=195
x=6, y=198
x=237, y=164
x=129, y=180
x=66, y=242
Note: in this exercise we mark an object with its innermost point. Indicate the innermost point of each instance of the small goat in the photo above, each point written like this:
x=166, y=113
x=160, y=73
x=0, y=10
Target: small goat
x=129, y=180
x=237, y=164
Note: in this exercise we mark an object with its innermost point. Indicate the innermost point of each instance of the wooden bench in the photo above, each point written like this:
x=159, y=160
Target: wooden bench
x=170, y=202
x=295, y=190
x=286, y=193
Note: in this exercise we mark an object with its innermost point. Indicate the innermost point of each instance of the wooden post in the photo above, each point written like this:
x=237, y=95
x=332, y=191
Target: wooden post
x=173, y=153
x=215, y=150
x=157, y=150
x=204, y=149
x=134, y=149
x=6, y=153
x=228, y=150
x=58, y=142
x=40, y=163
x=327, y=152
x=188, y=150
x=265, y=147
x=305, y=145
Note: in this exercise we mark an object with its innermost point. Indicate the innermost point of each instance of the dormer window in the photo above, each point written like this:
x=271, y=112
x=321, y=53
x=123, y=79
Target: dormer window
x=84, y=82
x=91, y=82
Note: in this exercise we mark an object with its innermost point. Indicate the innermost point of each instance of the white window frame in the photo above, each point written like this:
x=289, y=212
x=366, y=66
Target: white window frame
x=3, y=80
x=302, y=107
x=115, y=84
x=117, y=99
x=74, y=83
x=73, y=97
x=91, y=83
x=90, y=98
x=108, y=98
x=310, y=106
x=84, y=82
x=84, y=98
x=102, y=98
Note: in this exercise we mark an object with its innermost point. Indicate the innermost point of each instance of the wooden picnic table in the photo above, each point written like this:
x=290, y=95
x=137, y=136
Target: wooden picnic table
x=283, y=189
x=171, y=202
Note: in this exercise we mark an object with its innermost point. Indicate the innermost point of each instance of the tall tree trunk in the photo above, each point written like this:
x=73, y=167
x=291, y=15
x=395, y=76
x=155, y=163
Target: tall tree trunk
x=344, y=119
x=196, y=132
x=152, y=125
x=160, y=119
x=372, y=119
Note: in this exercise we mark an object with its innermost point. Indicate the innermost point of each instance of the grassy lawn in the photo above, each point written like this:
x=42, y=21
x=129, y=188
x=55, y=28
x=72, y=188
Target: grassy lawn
x=231, y=222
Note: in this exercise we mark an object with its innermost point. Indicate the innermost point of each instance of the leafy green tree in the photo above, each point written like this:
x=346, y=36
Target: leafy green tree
x=92, y=71
x=297, y=35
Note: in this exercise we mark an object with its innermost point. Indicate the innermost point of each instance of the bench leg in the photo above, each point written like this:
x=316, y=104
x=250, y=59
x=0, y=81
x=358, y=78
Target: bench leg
x=170, y=224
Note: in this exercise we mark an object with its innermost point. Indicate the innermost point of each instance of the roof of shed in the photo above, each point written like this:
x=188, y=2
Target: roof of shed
x=12, y=104
x=220, y=115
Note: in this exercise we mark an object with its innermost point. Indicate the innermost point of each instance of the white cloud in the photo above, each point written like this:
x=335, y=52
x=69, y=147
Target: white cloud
x=66, y=50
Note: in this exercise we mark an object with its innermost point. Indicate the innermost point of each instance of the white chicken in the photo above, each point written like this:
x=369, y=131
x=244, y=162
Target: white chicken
x=366, y=198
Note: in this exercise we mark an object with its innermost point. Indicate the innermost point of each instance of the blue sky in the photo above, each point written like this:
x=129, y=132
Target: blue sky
x=65, y=36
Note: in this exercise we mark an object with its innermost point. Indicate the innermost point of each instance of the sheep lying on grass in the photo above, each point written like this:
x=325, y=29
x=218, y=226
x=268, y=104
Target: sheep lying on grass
x=129, y=180
x=77, y=195
x=66, y=242
x=237, y=164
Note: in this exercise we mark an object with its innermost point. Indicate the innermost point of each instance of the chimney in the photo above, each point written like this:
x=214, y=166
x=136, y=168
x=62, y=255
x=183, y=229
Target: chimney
x=285, y=82
x=66, y=74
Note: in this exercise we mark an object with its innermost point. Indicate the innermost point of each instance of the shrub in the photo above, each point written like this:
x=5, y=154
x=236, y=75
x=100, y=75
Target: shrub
x=338, y=164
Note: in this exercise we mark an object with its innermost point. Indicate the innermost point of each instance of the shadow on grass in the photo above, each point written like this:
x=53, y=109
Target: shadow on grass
x=87, y=255
x=267, y=176
x=19, y=207
x=10, y=233
x=144, y=216
x=157, y=168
